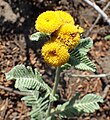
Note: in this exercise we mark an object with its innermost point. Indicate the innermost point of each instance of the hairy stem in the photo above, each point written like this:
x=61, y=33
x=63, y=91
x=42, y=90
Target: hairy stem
x=57, y=78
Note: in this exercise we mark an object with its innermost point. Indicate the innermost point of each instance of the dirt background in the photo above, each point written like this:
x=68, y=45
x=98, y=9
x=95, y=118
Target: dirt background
x=17, y=19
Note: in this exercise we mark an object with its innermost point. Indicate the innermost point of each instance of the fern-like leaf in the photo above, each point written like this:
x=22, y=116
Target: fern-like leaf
x=83, y=63
x=67, y=110
x=26, y=79
x=39, y=105
x=88, y=104
x=40, y=93
x=78, y=57
x=84, y=46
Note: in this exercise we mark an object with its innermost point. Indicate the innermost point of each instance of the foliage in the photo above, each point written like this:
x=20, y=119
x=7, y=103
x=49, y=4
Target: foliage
x=31, y=82
x=27, y=79
x=40, y=96
x=39, y=36
x=107, y=37
x=88, y=104
x=39, y=105
x=78, y=56
x=67, y=110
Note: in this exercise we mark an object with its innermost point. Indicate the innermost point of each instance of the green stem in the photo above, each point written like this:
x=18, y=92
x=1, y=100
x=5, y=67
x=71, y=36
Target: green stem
x=57, y=78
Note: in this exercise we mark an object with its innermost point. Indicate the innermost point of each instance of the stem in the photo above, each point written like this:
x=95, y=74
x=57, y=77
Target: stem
x=57, y=78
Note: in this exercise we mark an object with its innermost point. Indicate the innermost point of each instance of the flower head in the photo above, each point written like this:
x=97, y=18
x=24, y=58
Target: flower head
x=69, y=35
x=48, y=22
x=55, y=53
x=65, y=17
x=67, y=29
x=70, y=40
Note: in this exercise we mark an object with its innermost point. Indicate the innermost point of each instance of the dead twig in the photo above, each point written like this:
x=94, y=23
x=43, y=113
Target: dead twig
x=3, y=108
x=98, y=9
x=104, y=94
x=90, y=76
x=96, y=21
x=14, y=91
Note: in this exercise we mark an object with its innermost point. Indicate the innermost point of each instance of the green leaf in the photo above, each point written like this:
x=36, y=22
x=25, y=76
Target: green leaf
x=67, y=110
x=27, y=79
x=78, y=57
x=82, y=63
x=107, y=37
x=39, y=105
x=88, y=104
x=65, y=66
x=83, y=47
x=39, y=92
x=39, y=36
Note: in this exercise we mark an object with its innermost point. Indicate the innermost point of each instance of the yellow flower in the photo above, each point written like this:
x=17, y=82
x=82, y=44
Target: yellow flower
x=67, y=29
x=55, y=53
x=65, y=17
x=70, y=40
x=48, y=22
x=69, y=35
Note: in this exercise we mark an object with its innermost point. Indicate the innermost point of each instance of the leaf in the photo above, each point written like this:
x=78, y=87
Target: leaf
x=107, y=37
x=83, y=47
x=40, y=93
x=83, y=63
x=65, y=66
x=88, y=104
x=26, y=79
x=67, y=110
x=39, y=36
x=78, y=57
x=39, y=105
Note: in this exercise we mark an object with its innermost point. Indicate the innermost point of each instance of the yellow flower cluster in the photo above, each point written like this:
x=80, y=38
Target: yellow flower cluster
x=65, y=35
x=65, y=17
x=48, y=22
x=55, y=53
x=69, y=35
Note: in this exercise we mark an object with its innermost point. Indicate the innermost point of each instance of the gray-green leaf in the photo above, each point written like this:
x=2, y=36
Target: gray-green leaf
x=27, y=79
x=88, y=104
x=83, y=47
x=39, y=36
x=78, y=57
x=107, y=37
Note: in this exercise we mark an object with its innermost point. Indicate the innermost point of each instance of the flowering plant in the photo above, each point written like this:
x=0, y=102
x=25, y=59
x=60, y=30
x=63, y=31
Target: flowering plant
x=64, y=48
